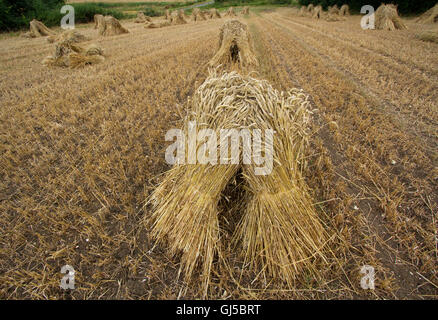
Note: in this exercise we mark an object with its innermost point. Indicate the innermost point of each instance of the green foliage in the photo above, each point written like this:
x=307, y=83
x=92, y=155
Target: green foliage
x=16, y=14
x=152, y=12
x=84, y=12
x=404, y=6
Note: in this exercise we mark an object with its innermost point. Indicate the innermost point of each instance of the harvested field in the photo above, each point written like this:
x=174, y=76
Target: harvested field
x=83, y=151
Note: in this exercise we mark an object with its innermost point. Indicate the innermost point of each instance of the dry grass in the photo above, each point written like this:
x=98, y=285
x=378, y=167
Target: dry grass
x=317, y=12
x=142, y=18
x=157, y=24
x=369, y=134
x=235, y=46
x=387, y=18
x=68, y=54
x=198, y=15
x=82, y=149
x=245, y=10
x=177, y=17
x=85, y=111
x=330, y=17
x=167, y=14
x=333, y=10
x=214, y=14
x=310, y=8
x=430, y=16
x=98, y=20
x=344, y=10
x=186, y=201
x=70, y=36
x=430, y=36
x=280, y=230
x=230, y=12
x=109, y=26
x=37, y=29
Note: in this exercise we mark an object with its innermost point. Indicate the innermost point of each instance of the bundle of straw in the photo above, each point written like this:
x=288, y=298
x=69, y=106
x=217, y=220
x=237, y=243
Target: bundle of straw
x=387, y=18
x=235, y=46
x=429, y=36
x=157, y=24
x=430, y=16
x=333, y=10
x=186, y=201
x=38, y=29
x=142, y=18
x=345, y=10
x=280, y=230
x=333, y=17
x=214, y=14
x=71, y=36
x=230, y=12
x=198, y=15
x=99, y=20
x=317, y=12
x=67, y=54
x=167, y=14
x=177, y=17
x=108, y=26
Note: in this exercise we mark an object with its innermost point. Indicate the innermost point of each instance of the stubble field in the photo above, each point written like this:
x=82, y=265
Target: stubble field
x=81, y=150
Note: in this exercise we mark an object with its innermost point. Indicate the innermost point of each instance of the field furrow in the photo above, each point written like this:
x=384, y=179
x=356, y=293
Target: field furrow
x=79, y=154
x=408, y=96
x=310, y=66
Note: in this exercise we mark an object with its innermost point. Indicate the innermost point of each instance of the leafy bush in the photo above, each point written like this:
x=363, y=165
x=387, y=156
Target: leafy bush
x=84, y=12
x=152, y=12
x=16, y=14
